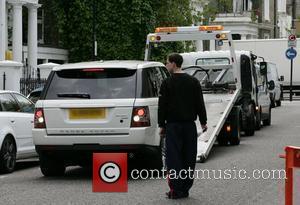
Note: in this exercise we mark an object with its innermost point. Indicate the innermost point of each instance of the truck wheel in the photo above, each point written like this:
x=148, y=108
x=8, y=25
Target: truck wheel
x=278, y=103
x=8, y=155
x=222, y=138
x=235, y=137
x=267, y=122
x=51, y=167
x=258, y=120
x=250, y=130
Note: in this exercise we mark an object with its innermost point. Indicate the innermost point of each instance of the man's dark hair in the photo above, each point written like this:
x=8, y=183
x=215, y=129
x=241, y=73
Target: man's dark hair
x=175, y=58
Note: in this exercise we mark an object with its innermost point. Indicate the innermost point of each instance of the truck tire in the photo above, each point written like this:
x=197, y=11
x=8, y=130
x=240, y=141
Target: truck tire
x=222, y=138
x=235, y=137
x=8, y=155
x=267, y=122
x=250, y=130
x=258, y=120
x=51, y=167
x=278, y=103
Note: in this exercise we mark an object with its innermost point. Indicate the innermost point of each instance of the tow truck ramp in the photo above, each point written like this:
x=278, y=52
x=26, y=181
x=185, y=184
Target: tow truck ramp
x=218, y=107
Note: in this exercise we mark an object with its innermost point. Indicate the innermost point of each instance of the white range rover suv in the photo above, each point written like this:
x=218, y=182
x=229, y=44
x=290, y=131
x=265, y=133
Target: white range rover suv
x=105, y=106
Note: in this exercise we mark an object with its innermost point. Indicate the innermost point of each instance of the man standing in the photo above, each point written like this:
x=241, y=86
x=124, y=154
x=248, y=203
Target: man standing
x=180, y=102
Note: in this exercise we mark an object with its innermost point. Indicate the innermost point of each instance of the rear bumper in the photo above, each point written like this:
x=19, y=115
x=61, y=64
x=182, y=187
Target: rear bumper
x=83, y=154
x=93, y=148
x=136, y=136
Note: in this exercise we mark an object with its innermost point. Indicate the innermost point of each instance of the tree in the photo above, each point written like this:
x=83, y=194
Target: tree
x=171, y=13
x=121, y=25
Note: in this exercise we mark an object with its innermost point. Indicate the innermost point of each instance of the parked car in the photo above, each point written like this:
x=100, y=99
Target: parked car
x=16, y=123
x=108, y=106
x=34, y=95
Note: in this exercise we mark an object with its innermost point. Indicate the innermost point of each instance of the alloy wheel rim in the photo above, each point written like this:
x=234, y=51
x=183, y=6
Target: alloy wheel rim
x=9, y=154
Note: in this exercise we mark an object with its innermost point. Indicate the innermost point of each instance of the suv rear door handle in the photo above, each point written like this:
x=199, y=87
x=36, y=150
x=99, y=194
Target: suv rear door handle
x=12, y=120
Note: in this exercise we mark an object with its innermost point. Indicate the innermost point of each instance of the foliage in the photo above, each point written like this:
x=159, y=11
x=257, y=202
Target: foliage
x=121, y=26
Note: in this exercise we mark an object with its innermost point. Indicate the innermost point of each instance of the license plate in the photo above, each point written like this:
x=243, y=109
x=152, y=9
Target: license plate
x=87, y=113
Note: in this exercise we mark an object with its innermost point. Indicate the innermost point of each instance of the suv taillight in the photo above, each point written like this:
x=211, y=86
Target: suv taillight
x=140, y=117
x=39, y=119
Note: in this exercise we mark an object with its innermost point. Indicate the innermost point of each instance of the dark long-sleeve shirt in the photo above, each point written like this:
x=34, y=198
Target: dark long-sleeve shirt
x=181, y=100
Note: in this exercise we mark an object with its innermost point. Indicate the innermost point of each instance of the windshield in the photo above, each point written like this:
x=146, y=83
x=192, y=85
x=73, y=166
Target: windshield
x=108, y=83
x=217, y=79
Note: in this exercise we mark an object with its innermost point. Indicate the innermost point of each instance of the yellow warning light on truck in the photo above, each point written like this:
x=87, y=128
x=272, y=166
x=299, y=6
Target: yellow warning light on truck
x=188, y=29
x=211, y=28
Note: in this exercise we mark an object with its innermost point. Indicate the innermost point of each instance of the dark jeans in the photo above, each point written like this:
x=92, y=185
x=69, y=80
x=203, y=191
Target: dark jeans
x=181, y=151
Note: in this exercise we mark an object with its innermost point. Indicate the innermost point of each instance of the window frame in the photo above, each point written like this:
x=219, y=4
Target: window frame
x=19, y=104
x=14, y=100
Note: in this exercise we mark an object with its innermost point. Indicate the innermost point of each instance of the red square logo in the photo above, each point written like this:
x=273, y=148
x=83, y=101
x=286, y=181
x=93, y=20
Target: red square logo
x=110, y=172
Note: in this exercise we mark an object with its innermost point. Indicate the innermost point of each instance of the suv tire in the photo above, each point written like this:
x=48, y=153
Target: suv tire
x=51, y=167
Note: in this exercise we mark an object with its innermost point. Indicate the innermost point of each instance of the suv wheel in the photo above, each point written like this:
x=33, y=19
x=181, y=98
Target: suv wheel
x=51, y=167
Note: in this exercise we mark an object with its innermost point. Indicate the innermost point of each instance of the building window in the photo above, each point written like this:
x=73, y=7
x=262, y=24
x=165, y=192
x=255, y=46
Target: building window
x=236, y=36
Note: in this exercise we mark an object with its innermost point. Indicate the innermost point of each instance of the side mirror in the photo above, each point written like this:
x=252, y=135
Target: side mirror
x=263, y=68
x=282, y=78
x=271, y=85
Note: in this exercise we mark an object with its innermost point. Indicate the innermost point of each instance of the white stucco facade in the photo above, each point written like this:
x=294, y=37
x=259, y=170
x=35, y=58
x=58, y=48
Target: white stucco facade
x=17, y=6
x=29, y=55
x=241, y=20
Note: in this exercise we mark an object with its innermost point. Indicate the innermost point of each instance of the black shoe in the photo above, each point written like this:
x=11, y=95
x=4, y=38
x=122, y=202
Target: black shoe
x=177, y=195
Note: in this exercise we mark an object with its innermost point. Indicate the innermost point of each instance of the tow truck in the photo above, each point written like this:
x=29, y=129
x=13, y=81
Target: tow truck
x=229, y=103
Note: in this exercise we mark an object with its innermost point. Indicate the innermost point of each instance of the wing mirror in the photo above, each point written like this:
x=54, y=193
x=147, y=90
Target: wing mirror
x=263, y=68
x=281, y=78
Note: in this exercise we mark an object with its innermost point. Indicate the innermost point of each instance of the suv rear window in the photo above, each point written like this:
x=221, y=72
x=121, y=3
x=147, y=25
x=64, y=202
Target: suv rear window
x=93, y=83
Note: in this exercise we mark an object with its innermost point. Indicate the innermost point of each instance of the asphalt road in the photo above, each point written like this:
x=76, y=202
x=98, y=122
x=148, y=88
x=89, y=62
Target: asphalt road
x=28, y=186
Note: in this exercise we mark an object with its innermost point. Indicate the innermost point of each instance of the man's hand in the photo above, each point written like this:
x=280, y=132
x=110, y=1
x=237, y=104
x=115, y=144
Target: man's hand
x=162, y=132
x=204, y=128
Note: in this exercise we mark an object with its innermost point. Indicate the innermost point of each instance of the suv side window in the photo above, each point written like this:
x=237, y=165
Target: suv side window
x=165, y=72
x=154, y=77
x=150, y=83
x=150, y=80
x=8, y=103
x=25, y=105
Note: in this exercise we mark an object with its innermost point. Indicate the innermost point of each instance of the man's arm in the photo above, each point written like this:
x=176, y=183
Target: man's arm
x=162, y=105
x=201, y=111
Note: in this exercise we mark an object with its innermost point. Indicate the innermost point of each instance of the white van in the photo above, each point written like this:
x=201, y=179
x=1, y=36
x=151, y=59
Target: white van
x=275, y=85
